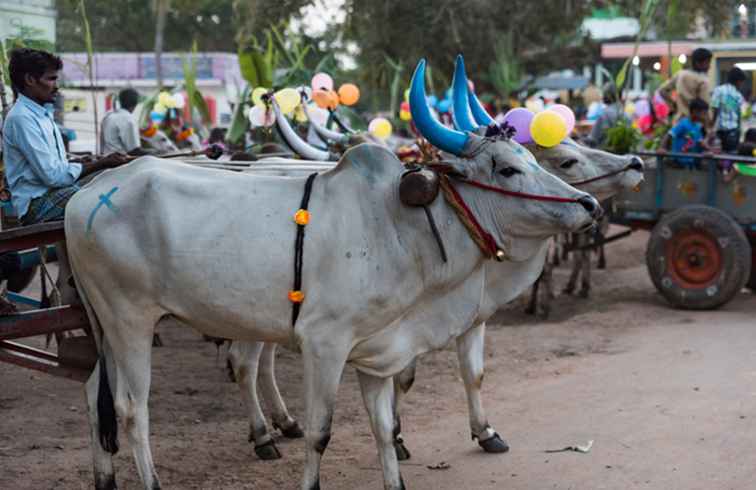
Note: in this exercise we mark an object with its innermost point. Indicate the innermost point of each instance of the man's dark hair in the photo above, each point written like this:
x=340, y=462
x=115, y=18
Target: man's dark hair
x=750, y=135
x=698, y=105
x=700, y=55
x=34, y=62
x=735, y=75
x=128, y=98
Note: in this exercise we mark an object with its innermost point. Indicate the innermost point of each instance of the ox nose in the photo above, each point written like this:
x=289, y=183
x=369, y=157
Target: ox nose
x=591, y=205
x=636, y=164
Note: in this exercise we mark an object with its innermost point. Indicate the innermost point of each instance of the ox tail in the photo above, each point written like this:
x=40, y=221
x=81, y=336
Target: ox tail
x=106, y=414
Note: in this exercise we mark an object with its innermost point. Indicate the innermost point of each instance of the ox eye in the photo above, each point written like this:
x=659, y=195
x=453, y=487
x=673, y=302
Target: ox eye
x=509, y=171
x=569, y=163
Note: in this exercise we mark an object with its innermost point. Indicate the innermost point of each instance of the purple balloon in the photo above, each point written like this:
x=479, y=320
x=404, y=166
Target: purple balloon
x=520, y=119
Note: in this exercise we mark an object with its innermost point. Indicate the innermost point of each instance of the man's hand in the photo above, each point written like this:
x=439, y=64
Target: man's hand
x=113, y=160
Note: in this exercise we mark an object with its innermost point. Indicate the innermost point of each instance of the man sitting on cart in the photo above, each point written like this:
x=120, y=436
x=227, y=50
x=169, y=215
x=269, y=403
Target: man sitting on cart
x=38, y=174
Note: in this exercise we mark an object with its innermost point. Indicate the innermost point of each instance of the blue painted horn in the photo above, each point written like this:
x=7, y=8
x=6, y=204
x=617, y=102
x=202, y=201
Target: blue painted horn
x=479, y=112
x=463, y=119
x=439, y=135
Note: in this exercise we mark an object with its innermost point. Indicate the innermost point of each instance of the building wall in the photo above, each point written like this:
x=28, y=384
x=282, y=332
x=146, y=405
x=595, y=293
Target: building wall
x=36, y=14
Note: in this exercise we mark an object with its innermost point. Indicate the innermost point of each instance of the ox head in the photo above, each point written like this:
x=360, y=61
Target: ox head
x=158, y=141
x=597, y=172
x=494, y=160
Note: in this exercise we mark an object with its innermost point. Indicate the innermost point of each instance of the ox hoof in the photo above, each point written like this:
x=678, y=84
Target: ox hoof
x=293, y=431
x=494, y=444
x=267, y=451
x=402, y=453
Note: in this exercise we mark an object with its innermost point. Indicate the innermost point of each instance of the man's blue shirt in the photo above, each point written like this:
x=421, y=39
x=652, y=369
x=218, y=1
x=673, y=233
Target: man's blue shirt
x=34, y=154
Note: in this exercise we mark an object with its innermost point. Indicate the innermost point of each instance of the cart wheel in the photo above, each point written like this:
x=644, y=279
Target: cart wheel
x=698, y=257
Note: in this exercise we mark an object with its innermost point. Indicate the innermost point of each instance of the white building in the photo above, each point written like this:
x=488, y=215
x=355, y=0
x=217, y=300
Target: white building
x=35, y=17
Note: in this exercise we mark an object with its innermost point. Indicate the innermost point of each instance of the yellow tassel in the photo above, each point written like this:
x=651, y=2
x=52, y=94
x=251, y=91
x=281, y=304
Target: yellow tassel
x=296, y=296
x=302, y=217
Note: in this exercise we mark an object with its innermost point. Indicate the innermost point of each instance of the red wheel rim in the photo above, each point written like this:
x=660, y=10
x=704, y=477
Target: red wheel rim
x=694, y=259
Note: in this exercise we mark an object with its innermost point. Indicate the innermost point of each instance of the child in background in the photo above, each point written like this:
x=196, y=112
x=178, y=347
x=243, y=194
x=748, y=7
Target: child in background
x=687, y=135
x=726, y=102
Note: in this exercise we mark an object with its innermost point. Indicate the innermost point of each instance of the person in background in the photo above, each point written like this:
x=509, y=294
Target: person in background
x=120, y=132
x=687, y=135
x=726, y=101
x=612, y=114
x=748, y=147
x=689, y=84
x=38, y=174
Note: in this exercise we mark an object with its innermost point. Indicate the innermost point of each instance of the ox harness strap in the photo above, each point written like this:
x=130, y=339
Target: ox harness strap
x=601, y=177
x=301, y=218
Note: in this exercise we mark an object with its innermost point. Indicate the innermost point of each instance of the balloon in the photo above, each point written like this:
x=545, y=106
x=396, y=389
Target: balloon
x=567, y=115
x=432, y=100
x=520, y=119
x=449, y=93
x=534, y=105
x=178, y=101
x=259, y=116
x=257, y=95
x=405, y=115
x=326, y=99
x=349, y=94
x=642, y=108
x=629, y=108
x=288, y=99
x=406, y=95
x=380, y=128
x=644, y=123
x=159, y=109
x=444, y=105
x=404, y=106
x=166, y=100
x=661, y=109
x=548, y=128
x=299, y=114
x=307, y=91
x=157, y=116
x=322, y=81
x=317, y=115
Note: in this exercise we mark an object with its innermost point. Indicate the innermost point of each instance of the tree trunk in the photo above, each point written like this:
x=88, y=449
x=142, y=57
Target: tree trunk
x=162, y=10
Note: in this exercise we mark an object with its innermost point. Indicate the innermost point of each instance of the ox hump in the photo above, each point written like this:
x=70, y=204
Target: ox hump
x=370, y=162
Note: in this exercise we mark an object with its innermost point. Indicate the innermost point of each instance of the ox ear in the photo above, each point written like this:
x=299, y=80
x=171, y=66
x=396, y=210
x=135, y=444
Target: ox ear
x=456, y=167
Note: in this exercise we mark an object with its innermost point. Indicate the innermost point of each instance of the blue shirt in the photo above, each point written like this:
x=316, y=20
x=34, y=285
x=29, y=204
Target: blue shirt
x=686, y=138
x=34, y=154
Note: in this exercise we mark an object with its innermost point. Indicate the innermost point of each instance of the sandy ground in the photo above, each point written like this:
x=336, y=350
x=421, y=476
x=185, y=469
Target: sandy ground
x=667, y=396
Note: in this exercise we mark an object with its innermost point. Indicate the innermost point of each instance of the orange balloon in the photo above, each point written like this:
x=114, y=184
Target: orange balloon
x=326, y=99
x=349, y=94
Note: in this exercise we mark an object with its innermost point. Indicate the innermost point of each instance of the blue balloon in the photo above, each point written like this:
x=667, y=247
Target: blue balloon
x=432, y=100
x=449, y=93
x=444, y=105
x=156, y=116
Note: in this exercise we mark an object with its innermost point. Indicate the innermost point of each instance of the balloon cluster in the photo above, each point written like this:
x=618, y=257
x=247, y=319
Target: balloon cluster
x=640, y=112
x=546, y=128
x=326, y=97
x=166, y=102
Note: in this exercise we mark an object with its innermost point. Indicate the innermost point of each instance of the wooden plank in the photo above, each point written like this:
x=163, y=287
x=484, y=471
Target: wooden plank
x=31, y=230
x=41, y=322
x=13, y=242
x=39, y=360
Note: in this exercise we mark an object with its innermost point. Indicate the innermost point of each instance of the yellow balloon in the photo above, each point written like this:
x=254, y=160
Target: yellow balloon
x=548, y=128
x=257, y=96
x=299, y=114
x=288, y=99
x=405, y=115
x=159, y=108
x=380, y=128
x=166, y=100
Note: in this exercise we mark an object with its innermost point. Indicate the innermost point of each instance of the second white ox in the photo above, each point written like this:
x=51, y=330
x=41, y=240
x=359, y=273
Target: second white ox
x=377, y=294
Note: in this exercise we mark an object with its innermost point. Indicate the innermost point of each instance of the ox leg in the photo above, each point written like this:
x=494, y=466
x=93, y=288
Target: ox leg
x=245, y=357
x=322, y=373
x=532, y=307
x=104, y=474
x=546, y=293
x=556, y=245
x=378, y=394
x=64, y=282
x=470, y=350
x=281, y=418
x=577, y=260
x=402, y=384
x=585, y=283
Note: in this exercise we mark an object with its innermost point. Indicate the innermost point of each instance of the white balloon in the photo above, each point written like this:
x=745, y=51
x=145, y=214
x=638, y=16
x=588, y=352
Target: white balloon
x=178, y=100
x=258, y=116
x=319, y=116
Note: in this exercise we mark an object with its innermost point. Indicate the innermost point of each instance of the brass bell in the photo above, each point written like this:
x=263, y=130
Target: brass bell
x=500, y=256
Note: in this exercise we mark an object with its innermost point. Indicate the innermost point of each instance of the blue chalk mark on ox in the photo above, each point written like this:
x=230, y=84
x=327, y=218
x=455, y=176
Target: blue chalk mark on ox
x=103, y=200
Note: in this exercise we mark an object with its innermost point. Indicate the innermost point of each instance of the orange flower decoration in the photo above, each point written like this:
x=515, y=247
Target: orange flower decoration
x=296, y=296
x=302, y=217
x=149, y=131
x=184, y=134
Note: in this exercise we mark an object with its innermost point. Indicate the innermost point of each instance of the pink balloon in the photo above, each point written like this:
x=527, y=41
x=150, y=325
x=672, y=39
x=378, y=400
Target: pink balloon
x=662, y=110
x=322, y=81
x=567, y=115
x=520, y=119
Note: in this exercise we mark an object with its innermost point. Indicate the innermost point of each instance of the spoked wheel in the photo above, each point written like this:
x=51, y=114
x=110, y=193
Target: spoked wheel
x=698, y=257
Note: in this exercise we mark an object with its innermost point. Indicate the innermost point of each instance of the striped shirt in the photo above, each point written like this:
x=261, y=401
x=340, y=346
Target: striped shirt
x=728, y=100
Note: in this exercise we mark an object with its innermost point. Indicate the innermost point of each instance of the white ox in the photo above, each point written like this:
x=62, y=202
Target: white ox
x=377, y=293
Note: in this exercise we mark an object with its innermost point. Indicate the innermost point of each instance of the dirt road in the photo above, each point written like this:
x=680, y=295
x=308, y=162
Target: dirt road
x=667, y=396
